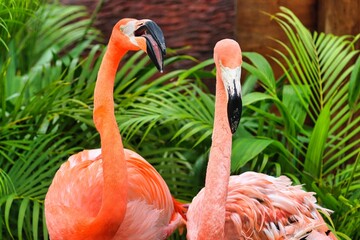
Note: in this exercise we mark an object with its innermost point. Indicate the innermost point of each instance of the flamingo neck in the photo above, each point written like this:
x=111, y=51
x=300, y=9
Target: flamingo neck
x=218, y=170
x=114, y=199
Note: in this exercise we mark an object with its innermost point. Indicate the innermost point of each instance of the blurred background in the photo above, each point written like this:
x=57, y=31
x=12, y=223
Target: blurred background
x=201, y=23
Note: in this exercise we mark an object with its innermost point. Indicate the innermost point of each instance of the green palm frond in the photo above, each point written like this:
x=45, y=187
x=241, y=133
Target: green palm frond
x=176, y=103
x=261, y=68
x=173, y=105
x=32, y=145
x=354, y=86
x=322, y=62
x=60, y=27
x=46, y=34
x=316, y=102
x=137, y=76
x=179, y=116
x=6, y=185
x=30, y=176
x=306, y=119
x=13, y=15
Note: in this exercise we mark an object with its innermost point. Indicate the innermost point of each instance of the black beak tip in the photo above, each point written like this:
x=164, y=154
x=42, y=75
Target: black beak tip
x=234, y=128
x=234, y=112
x=234, y=125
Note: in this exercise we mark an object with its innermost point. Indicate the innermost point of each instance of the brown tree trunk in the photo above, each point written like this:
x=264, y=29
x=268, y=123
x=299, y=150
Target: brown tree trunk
x=339, y=17
x=255, y=30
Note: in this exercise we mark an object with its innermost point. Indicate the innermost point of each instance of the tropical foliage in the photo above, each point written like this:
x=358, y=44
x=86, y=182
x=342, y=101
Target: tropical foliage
x=304, y=124
x=35, y=95
x=318, y=105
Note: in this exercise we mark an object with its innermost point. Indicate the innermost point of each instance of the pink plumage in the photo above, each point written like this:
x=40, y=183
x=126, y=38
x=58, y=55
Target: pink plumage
x=259, y=206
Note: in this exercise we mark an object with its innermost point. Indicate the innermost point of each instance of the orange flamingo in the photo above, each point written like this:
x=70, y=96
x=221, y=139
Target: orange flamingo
x=112, y=192
x=250, y=205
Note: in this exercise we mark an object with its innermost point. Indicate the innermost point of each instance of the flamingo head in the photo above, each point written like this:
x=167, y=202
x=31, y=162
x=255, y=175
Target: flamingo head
x=228, y=58
x=143, y=35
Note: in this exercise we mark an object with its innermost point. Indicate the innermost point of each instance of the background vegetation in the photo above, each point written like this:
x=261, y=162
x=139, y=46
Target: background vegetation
x=304, y=124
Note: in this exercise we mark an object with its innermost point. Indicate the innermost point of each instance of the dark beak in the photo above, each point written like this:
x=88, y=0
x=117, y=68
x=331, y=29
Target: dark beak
x=234, y=109
x=155, y=42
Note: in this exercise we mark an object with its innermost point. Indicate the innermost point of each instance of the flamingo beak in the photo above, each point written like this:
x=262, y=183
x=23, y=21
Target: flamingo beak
x=155, y=42
x=231, y=79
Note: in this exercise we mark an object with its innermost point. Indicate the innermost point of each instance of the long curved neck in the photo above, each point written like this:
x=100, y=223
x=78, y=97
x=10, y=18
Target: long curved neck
x=218, y=170
x=114, y=200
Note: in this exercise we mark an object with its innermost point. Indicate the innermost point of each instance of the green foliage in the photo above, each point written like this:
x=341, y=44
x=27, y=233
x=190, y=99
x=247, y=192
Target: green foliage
x=37, y=85
x=317, y=104
x=13, y=16
x=29, y=178
x=167, y=122
x=303, y=124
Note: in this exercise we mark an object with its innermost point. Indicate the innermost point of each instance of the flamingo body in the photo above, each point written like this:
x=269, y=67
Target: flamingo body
x=149, y=199
x=259, y=206
x=251, y=205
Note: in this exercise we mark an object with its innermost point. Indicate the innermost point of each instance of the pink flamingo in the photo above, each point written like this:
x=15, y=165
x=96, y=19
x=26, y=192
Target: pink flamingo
x=112, y=192
x=251, y=205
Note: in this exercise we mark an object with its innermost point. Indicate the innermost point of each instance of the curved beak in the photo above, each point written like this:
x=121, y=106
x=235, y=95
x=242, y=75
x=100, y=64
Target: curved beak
x=231, y=80
x=155, y=42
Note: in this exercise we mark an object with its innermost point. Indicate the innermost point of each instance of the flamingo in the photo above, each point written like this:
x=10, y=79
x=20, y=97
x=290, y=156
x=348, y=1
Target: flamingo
x=112, y=192
x=251, y=205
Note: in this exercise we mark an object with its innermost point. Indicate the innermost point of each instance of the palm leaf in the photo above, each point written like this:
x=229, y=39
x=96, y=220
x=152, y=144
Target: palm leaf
x=354, y=86
x=320, y=61
x=317, y=100
x=314, y=155
x=262, y=70
x=30, y=176
x=319, y=65
x=13, y=15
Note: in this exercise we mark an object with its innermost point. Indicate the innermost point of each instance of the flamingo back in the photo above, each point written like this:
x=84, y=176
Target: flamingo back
x=259, y=206
x=150, y=204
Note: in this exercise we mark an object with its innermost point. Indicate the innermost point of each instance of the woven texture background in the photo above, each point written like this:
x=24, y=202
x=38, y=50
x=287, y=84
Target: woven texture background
x=198, y=23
